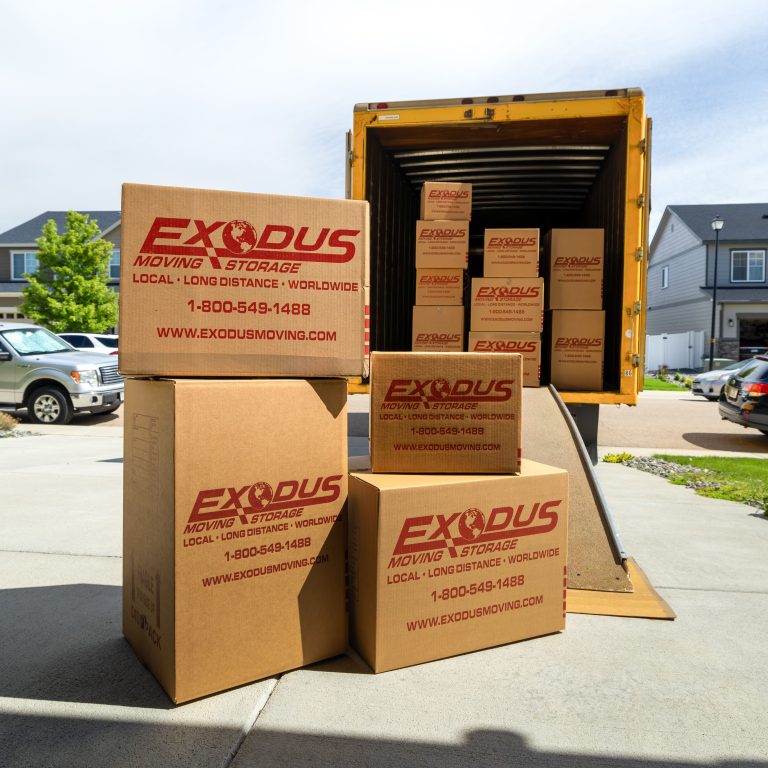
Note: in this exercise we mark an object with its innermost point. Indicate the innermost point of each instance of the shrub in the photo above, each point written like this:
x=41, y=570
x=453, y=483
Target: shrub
x=7, y=424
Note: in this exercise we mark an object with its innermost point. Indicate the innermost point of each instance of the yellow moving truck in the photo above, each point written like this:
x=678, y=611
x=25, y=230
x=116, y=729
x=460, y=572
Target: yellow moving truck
x=560, y=160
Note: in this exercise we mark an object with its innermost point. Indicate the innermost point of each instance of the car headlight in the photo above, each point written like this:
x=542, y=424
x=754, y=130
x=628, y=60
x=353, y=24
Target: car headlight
x=86, y=378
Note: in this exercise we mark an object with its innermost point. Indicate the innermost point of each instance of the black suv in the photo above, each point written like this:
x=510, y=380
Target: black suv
x=744, y=398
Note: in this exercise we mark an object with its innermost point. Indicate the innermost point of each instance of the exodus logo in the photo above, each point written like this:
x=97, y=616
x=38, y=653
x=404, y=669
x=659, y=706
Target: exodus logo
x=439, y=280
x=433, y=234
x=568, y=342
x=428, y=391
x=498, y=345
x=188, y=239
x=507, y=291
x=506, y=242
x=428, y=533
x=437, y=337
x=218, y=507
x=448, y=194
x=577, y=261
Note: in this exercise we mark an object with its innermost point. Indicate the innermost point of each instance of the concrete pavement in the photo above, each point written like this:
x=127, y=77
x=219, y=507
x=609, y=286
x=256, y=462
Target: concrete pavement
x=606, y=692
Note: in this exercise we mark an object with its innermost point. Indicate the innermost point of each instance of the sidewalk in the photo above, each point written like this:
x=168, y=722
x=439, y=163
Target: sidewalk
x=608, y=692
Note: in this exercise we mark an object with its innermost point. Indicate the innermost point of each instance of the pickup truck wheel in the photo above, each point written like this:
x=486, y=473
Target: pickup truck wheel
x=49, y=405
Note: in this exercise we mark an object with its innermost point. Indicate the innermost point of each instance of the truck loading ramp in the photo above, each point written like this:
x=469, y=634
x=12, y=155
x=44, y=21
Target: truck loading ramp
x=601, y=578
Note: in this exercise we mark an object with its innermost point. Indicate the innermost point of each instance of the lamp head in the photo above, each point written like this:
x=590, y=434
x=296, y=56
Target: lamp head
x=717, y=223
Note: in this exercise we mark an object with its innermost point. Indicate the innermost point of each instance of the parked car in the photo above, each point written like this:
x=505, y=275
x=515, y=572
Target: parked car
x=744, y=399
x=95, y=342
x=710, y=383
x=52, y=380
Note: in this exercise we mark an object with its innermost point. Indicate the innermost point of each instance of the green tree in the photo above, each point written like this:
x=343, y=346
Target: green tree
x=69, y=292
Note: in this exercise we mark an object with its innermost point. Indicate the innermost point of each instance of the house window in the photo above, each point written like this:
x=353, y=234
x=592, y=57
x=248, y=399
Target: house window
x=665, y=277
x=23, y=262
x=747, y=266
x=114, y=264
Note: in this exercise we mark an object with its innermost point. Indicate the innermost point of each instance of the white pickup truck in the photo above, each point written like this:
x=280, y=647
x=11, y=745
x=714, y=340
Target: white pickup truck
x=51, y=379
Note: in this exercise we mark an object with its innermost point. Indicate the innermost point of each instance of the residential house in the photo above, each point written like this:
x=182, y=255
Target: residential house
x=18, y=251
x=681, y=275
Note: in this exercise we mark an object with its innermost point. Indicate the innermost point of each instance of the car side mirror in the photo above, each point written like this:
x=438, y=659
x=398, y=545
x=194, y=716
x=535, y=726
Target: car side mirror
x=4, y=355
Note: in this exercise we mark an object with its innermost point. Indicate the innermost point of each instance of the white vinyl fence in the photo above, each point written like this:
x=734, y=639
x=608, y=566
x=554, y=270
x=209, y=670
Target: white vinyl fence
x=675, y=350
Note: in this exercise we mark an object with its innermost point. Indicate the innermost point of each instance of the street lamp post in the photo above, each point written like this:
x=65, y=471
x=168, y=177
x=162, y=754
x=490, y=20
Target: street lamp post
x=717, y=225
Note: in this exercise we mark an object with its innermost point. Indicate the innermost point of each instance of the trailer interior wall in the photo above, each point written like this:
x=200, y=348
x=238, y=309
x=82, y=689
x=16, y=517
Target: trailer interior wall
x=392, y=189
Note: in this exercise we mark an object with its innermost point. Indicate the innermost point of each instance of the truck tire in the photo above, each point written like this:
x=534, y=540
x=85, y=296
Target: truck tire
x=49, y=405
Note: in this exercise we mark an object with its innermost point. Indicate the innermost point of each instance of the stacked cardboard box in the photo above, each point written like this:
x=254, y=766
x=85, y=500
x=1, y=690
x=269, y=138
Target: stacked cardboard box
x=576, y=320
x=234, y=548
x=442, y=248
x=508, y=302
x=442, y=564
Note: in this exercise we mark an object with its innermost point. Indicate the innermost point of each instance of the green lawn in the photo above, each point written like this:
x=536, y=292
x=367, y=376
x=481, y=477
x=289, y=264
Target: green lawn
x=651, y=383
x=738, y=479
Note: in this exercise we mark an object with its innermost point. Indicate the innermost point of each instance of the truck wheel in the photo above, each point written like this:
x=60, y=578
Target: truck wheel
x=49, y=405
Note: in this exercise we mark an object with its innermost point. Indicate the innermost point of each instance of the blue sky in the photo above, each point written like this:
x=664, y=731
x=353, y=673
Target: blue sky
x=257, y=96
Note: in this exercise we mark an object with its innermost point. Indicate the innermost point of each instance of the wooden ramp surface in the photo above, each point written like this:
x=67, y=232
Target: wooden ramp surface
x=595, y=561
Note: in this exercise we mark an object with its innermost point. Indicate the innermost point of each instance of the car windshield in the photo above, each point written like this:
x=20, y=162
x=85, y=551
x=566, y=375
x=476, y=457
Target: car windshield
x=108, y=341
x=35, y=341
x=738, y=365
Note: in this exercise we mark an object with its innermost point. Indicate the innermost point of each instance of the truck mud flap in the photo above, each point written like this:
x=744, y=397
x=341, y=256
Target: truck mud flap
x=596, y=559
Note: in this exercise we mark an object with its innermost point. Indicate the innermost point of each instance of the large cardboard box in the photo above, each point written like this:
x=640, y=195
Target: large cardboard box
x=445, y=565
x=235, y=284
x=442, y=244
x=513, y=304
x=438, y=329
x=575, y=264
x=446, y=200
x=577, y=349
x=233, y=539
x=439, y=287
x=453, y=412
x=526, y=344
x=511, y=253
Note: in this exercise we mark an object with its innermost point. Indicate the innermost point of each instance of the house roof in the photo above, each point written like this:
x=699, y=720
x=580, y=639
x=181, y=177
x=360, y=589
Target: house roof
x=29, y=231
x=742, y=221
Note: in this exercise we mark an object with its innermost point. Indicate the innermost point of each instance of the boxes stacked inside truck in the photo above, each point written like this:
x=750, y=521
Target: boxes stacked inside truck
x=234, y=539
x=442, y=246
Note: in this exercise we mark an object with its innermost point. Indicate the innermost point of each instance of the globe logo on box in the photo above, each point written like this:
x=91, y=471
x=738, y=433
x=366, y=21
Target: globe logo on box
x=239, y=236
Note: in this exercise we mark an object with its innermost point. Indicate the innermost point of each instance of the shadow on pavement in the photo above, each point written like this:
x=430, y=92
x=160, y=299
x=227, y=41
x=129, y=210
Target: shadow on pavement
x=103, y=742
x=65, y=643
x=751, y=441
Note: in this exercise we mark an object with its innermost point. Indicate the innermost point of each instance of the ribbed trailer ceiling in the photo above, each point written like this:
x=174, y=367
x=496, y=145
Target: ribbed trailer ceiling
x=553, y=177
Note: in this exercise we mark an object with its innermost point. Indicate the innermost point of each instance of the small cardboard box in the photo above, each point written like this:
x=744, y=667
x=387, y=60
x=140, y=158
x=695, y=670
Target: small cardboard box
x=233, y=539
x=447, y=200
x=526, y=344
x=507, y=304
x=577, y=350
x=439, y=287
x=575, y=262
x=453, y=412
x=445, y=565
x=235, y=284
x=438, y=329
x=442, y=244
x=511, y=253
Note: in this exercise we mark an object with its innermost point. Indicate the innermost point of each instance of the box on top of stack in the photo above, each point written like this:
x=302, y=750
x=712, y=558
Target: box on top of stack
x=238, y=284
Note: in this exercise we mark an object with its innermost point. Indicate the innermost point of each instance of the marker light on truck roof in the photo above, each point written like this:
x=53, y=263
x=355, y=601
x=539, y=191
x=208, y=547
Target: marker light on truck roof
x=382, y=105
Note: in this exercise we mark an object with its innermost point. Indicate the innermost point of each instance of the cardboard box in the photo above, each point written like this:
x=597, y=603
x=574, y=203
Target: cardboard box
x=526, y=344
x=234, y=549
x=438, y=329
x=442, y=244
x=511, y=253
x=445, y=565
x=452, y=412
x=447, y=200
x=575, y=259
x=234, y=284
x=439, y=287
x=577, y=350
x=507, y=304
